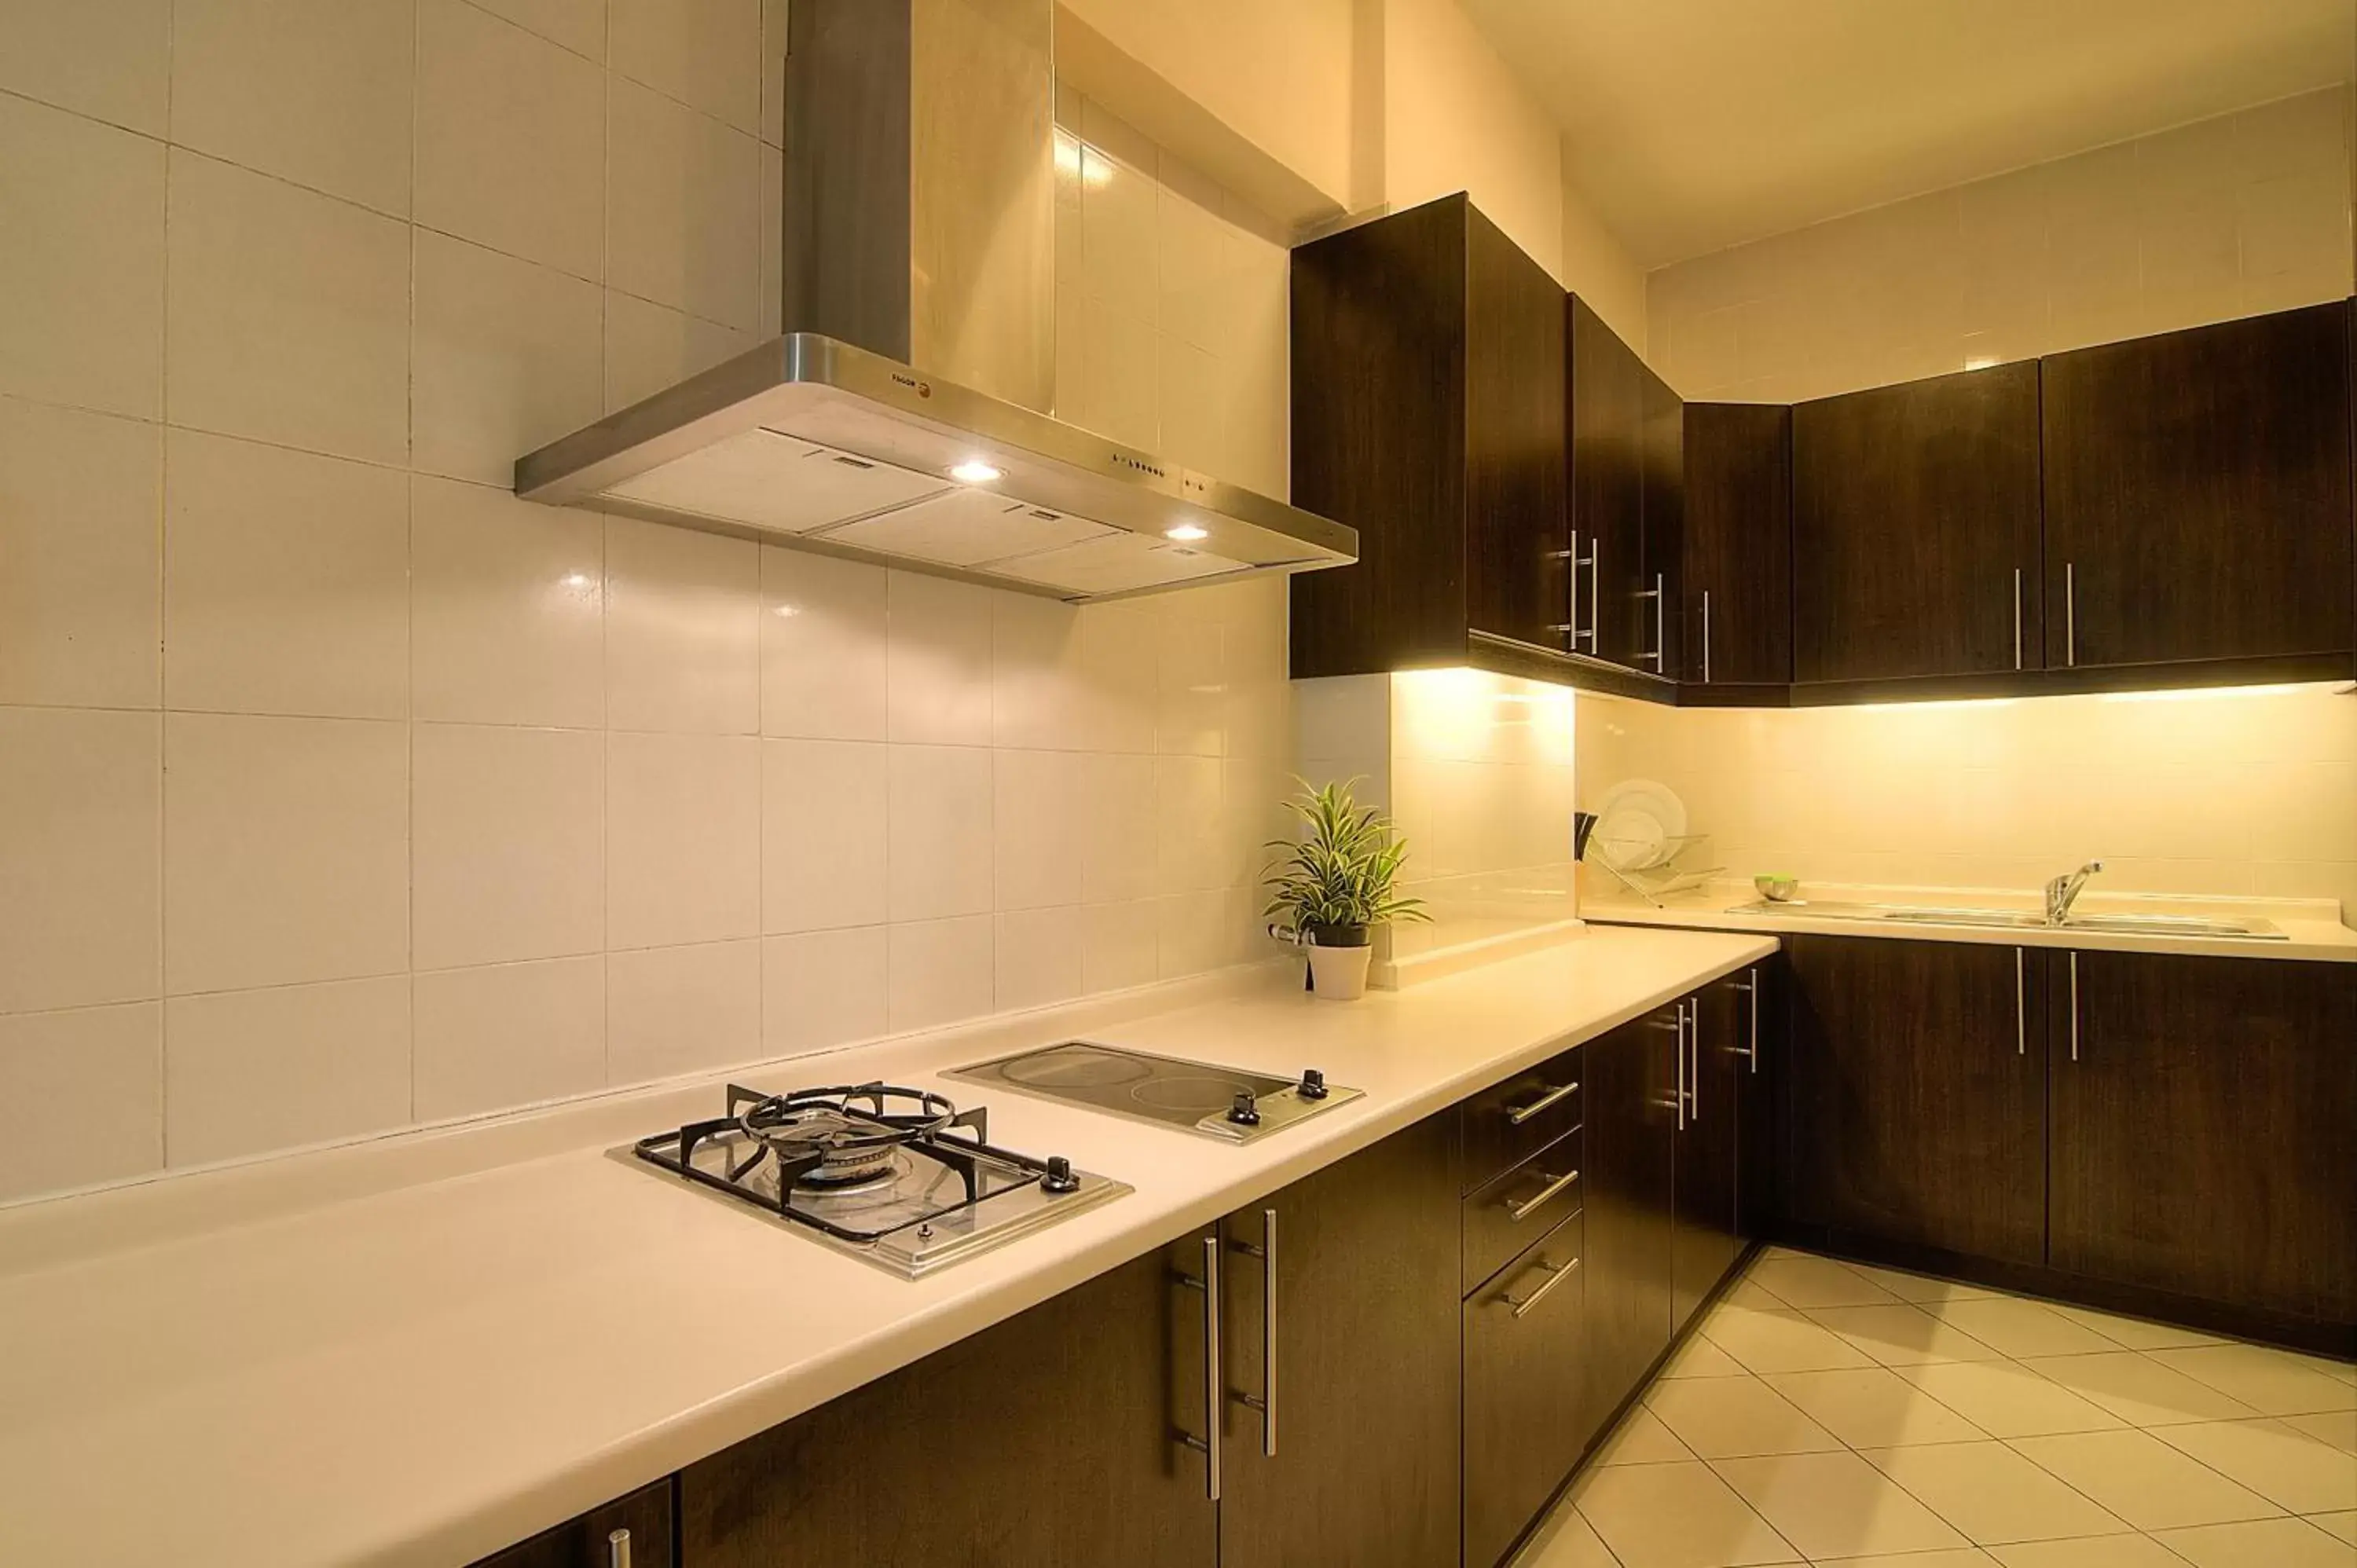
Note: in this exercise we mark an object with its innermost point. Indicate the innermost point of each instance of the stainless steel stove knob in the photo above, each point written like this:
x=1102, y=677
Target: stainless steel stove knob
x=1245, y=1110
x=1313, y=1084
x=1060, y=1176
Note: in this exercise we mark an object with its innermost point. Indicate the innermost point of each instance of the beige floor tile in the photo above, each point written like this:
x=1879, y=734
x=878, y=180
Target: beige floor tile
x=1642, y=1439
x=1778, y=1341
x=2343, y=1525
x=1798, y=1279
x=1991, y=1493
x=1747, y=1292
x=2338, y=1427
x=1698, y=1358
x=1566, y=1540
x=1835, y=1505
x=1724, y=1418
x=2138, y=1389
x=1920, y=1289
x=1676, y=1515
x=2106, y=1551
x=2273, y=1383
x=2013, y=1326
x=1901, y=1334
x=2267, y=1543
x=2143, y=1480
x=2007, y=1400
x=2344, y=1371
x=2135, y=1333
x=1957, y=1557
x=2287, y=1467
x=1873, y=1407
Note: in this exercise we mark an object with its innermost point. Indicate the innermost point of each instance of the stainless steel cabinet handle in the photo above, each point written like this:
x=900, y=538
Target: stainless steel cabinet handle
x=1595, y=597
x=1518, y=1212
x=1266, y=1402
x=2074, y=1006
x=1659, y=655
x=1684, y=1094
x=2020, y=1006
x=1207, y=1445
x=1557, y=1274
x=618, y=1549
x=2017, y=617
x=2069, y=612
x=1550, y=1099
x=1752, y=988
x=1705, y=636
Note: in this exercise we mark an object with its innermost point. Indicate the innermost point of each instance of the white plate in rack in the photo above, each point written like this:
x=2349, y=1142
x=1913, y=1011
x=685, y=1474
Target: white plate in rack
x=1638, y=825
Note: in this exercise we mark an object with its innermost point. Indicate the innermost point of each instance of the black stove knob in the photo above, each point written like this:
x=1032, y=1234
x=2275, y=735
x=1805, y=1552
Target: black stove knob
x=1313, y=1084
x=1245, y=1110
x=1059, y=1177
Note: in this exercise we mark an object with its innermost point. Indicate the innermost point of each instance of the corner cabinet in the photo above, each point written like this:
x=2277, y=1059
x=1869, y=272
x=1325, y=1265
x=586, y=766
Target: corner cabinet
x=1737, y=549
x=1429, y=392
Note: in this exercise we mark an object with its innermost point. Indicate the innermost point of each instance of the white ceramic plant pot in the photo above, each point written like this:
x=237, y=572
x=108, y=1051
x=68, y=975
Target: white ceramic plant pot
x=1339, y=975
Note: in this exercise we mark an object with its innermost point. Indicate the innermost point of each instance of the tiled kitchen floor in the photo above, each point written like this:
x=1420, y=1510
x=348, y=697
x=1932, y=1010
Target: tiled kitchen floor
x=1832, y=1414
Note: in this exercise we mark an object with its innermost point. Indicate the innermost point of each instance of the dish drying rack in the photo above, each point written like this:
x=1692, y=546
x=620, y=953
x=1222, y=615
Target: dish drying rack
x=1681, y=868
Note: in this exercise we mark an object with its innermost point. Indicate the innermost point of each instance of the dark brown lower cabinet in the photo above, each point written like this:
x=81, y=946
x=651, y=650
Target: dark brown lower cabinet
x=1046, y=1441
x=1523, y=1331
x=1917, y=1093
x=636, y=1529
x=1365, y=1391
x=1629, y=1240
x=1706, y=1239
x=2205, y=1128
x=1759, y=1185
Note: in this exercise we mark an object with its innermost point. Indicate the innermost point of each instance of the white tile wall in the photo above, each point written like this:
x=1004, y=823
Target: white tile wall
x=339, y=790
x=2233, y=216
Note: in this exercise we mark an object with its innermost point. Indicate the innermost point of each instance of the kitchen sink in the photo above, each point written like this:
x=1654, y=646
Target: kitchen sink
x=2018, y=920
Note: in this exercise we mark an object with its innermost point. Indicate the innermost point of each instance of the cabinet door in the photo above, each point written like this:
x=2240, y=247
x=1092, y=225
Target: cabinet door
x=1519, y=582
x=642, y=1521
x=1662, y=446
x=1915, y=529
x=1608, y=517
x=1045, y=1442
x=1759, y=1192
x=2197, y=493
x=1524, y=1427
x=1707, y=1238
x=1918, y=1093
x=2205, y=1128
x=1365, y=1390
x=1737, y=555
x=1631, y=1131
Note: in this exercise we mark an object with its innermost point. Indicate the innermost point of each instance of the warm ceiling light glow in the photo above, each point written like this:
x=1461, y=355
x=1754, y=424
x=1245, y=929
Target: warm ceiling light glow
x=1187, y=532
x=2202, y=693
x=1980, y=361
x=973, y=471
x=576, y=579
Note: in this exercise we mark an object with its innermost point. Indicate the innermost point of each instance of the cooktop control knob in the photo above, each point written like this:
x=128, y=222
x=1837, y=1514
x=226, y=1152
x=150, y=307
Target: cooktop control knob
x=1059, y=1177
x=1246, y=1112
x=1313, y=1084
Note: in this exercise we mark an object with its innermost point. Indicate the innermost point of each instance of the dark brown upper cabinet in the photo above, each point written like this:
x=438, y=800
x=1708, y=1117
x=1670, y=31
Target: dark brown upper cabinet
x=1738, y=545
x=2198, y=494
x=1608, y=406
x=1661, y=482
x=1428, y=393
x=1915, y=529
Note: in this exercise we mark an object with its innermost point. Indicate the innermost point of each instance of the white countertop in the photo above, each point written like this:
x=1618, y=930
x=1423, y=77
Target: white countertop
x=420, y=1350
x=2312, y=927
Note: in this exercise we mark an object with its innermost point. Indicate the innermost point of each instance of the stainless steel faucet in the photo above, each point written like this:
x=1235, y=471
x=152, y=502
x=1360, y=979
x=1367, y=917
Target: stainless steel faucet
x=2063, y=892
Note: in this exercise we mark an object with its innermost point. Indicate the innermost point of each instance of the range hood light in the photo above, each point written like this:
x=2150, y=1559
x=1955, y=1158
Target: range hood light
x=973, y=471
x=1187, y=532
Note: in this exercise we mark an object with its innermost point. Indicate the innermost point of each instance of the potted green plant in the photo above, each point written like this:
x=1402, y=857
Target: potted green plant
x=1332, y=884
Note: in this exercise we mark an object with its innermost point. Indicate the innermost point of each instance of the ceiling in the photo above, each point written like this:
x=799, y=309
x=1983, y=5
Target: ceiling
x=1695, y=124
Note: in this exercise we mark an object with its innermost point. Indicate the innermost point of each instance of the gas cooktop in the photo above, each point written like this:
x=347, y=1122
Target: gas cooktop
x=1217, y=1101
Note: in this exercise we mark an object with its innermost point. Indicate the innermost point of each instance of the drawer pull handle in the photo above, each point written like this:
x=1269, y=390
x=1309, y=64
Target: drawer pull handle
x=618, y=1549
x=1552, y=1098
x=1557, y=1273
x=1518, y=1212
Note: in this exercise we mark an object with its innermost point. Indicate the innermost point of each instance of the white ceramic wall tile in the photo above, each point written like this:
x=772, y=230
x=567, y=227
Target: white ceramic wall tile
x=1118, y=945
x=938, y=971
x=320, y=96
x=650, y=347
x=285, y=581
x=939, y=833
x=1120, y=829
x=578, y=25
x=109, y=59
x=509, y=855
x=505, y=356
x=823, y=646
x=705, y=53
x=823, y=815
x=821, y=989
x=683, y=206
x=682, y=812
x=682, y=630
x=249, y=1071
x=286, y=850
x=508, y=1035
x=1039, y=694
x=774, y=23
x=1037, y=803
x=675, y=1010
x=79, y=498
x=111, y=1056
x=1038, y=957
x=511, y=139
x=508, y=607
x=82, y=278
x=939, y=664
x=1189, y=824
x=78, y=790
x=287, y=314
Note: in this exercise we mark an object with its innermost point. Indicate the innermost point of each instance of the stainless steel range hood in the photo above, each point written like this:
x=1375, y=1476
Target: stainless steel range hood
x=920, y=231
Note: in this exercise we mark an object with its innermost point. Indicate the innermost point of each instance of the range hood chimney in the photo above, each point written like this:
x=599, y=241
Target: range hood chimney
x=903, y=417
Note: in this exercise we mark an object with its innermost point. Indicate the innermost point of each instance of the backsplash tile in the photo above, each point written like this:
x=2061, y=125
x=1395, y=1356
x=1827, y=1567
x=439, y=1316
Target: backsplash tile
x=457, y=802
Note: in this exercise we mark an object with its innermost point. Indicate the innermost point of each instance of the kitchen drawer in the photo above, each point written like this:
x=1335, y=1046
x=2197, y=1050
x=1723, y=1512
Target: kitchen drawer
x=1508, y=1123
x=1523, y=1336
x=588, y=1542
x=1518, y=1208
